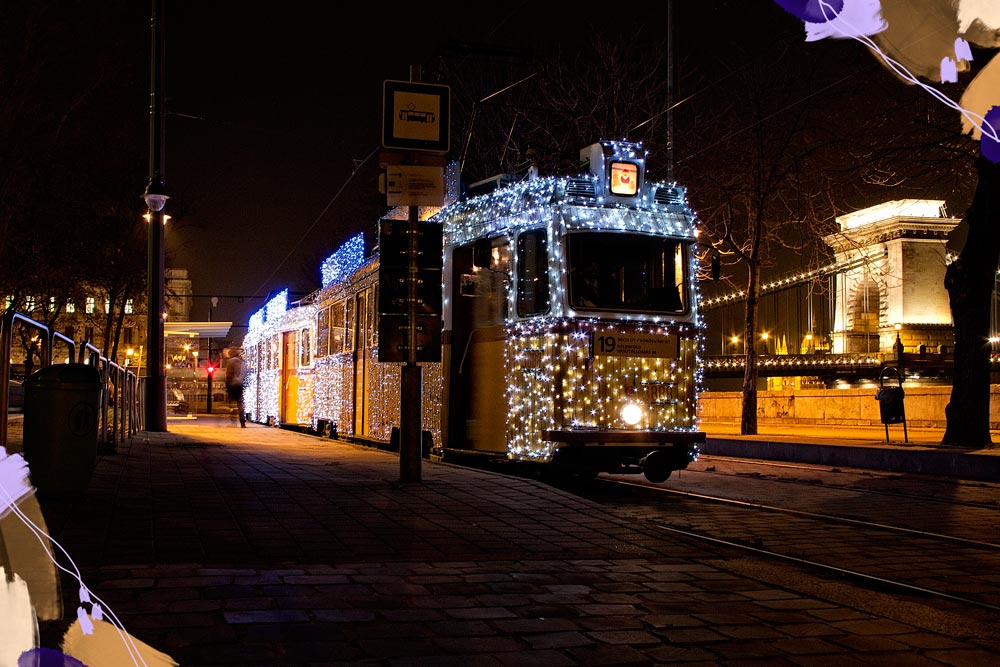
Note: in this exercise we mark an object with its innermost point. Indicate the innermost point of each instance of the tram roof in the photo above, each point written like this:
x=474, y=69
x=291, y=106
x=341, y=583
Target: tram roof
x=660, y=208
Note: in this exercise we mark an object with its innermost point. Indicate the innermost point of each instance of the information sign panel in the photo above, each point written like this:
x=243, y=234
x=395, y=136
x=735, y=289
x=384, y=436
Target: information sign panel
x=407, y=185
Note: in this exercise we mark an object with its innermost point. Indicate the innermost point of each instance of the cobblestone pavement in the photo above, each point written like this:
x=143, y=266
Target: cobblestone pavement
x=259, y=546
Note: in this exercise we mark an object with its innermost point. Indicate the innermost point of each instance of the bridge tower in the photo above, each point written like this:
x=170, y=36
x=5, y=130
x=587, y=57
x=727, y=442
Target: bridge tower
x=894, y=256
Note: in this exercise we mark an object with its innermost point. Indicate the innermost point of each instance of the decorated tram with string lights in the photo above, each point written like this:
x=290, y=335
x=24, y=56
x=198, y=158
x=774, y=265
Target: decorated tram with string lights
x=570, y=329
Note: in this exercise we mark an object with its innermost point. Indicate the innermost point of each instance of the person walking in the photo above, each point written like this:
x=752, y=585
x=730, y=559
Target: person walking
x=236, y=373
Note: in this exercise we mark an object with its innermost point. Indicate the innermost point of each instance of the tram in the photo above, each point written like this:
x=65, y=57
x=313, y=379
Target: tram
x=570, y=329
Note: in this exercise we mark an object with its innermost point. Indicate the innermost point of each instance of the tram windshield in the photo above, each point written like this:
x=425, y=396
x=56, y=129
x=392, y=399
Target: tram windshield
x=626, y=272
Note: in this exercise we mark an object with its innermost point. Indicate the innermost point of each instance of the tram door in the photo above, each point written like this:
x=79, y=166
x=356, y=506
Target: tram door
x=289, y=378
x=477, y=409
x=360, y=356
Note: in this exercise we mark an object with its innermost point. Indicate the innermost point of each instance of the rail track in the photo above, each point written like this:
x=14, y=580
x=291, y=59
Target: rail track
x=930, y=541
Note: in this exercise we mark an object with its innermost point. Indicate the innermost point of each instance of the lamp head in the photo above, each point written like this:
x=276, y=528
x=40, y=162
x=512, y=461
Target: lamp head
x=155, y=195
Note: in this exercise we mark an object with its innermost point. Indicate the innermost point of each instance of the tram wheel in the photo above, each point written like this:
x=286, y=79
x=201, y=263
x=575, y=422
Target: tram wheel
x=656, y=466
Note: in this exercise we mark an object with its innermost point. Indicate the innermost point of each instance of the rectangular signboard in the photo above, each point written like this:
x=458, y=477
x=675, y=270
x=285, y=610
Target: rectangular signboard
x=612, y=344
x=415, y=116
x=407, y=185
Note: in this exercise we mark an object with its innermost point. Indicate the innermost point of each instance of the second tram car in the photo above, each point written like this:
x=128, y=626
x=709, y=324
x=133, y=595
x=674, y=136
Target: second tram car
x=570, y=329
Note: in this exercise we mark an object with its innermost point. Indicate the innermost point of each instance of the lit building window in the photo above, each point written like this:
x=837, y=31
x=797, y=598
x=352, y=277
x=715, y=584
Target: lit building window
x=8, y=302
x=29, y=304
x=129, y=306
x=70, y=307
x=91, y=305
x=107, y=305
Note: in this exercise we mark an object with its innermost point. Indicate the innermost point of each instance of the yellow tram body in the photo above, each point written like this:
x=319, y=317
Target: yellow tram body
x=570, y=329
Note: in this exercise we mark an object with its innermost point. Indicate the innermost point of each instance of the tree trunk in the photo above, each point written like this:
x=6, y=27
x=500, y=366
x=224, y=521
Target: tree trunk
x=748, y=416
x=969, y=281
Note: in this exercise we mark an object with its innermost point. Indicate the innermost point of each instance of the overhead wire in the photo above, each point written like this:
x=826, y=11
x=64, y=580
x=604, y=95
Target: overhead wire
x=357, y=167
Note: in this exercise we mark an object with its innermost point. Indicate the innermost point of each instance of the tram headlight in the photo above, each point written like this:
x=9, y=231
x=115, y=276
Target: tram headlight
x=631, y=413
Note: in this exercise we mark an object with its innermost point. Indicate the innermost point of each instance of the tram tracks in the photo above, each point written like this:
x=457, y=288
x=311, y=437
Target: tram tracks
x=957, y=573
x=855, y=479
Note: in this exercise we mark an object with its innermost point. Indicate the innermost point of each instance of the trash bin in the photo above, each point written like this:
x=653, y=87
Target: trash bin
x=890, y=401
x=62, y=406
x=890, y=405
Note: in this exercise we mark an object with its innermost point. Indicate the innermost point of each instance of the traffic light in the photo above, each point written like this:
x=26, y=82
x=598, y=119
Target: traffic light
x=210, y=369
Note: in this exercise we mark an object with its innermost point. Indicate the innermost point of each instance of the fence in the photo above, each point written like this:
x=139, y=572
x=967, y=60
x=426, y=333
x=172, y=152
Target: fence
x=122, y=396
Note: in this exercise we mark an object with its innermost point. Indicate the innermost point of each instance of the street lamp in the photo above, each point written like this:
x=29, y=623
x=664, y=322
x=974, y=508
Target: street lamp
x=155, y=197
x=763, y=339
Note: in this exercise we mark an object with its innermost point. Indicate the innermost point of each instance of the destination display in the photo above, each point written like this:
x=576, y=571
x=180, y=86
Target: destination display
x=611, y=344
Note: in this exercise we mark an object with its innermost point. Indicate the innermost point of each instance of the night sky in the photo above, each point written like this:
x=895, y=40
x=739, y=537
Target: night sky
x=268, y=116
x=273, y=117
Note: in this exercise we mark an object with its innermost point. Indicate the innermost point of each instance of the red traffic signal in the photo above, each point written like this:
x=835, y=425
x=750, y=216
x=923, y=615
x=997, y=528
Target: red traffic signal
x=211, y=369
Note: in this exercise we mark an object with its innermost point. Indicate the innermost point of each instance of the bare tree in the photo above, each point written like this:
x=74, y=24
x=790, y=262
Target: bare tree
x=757, y=153
x=914, y=41
x=61, y=68
x=513, y=108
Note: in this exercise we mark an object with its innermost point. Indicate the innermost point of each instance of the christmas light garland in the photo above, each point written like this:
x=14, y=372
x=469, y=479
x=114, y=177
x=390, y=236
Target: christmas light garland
x=553, y=380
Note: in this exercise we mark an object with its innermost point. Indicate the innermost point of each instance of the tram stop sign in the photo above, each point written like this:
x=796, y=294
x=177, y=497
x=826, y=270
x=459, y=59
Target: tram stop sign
x=416, y=116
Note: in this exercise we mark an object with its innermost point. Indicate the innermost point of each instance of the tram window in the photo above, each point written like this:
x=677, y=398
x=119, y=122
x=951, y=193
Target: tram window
x=305, y=348
x=337, y=328
x=361, y=320
x=625, y=272
x=532, y=273
x=349, y=327
x=323, y=332
x=274, y=360
x=372, y=317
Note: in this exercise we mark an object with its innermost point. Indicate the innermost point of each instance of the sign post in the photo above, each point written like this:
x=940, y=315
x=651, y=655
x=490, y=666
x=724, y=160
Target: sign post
x=415, y=121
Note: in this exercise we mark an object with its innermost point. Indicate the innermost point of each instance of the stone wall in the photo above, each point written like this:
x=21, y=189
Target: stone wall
x=923, y=406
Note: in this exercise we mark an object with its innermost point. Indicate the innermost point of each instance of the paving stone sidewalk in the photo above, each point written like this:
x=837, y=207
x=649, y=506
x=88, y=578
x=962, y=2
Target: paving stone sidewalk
x=260, y=546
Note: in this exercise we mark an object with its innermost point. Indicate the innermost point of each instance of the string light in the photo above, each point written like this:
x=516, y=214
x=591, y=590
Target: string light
x=344, y=261
x=552, y=377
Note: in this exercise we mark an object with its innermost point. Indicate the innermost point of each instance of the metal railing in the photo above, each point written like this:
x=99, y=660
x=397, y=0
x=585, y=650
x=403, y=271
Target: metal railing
x=122, y=395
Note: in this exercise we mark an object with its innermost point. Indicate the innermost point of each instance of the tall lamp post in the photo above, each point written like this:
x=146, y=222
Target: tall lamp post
x=156, y=198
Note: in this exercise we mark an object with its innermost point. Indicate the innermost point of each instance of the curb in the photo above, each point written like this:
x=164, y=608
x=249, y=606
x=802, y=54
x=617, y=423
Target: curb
x=950, y=462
